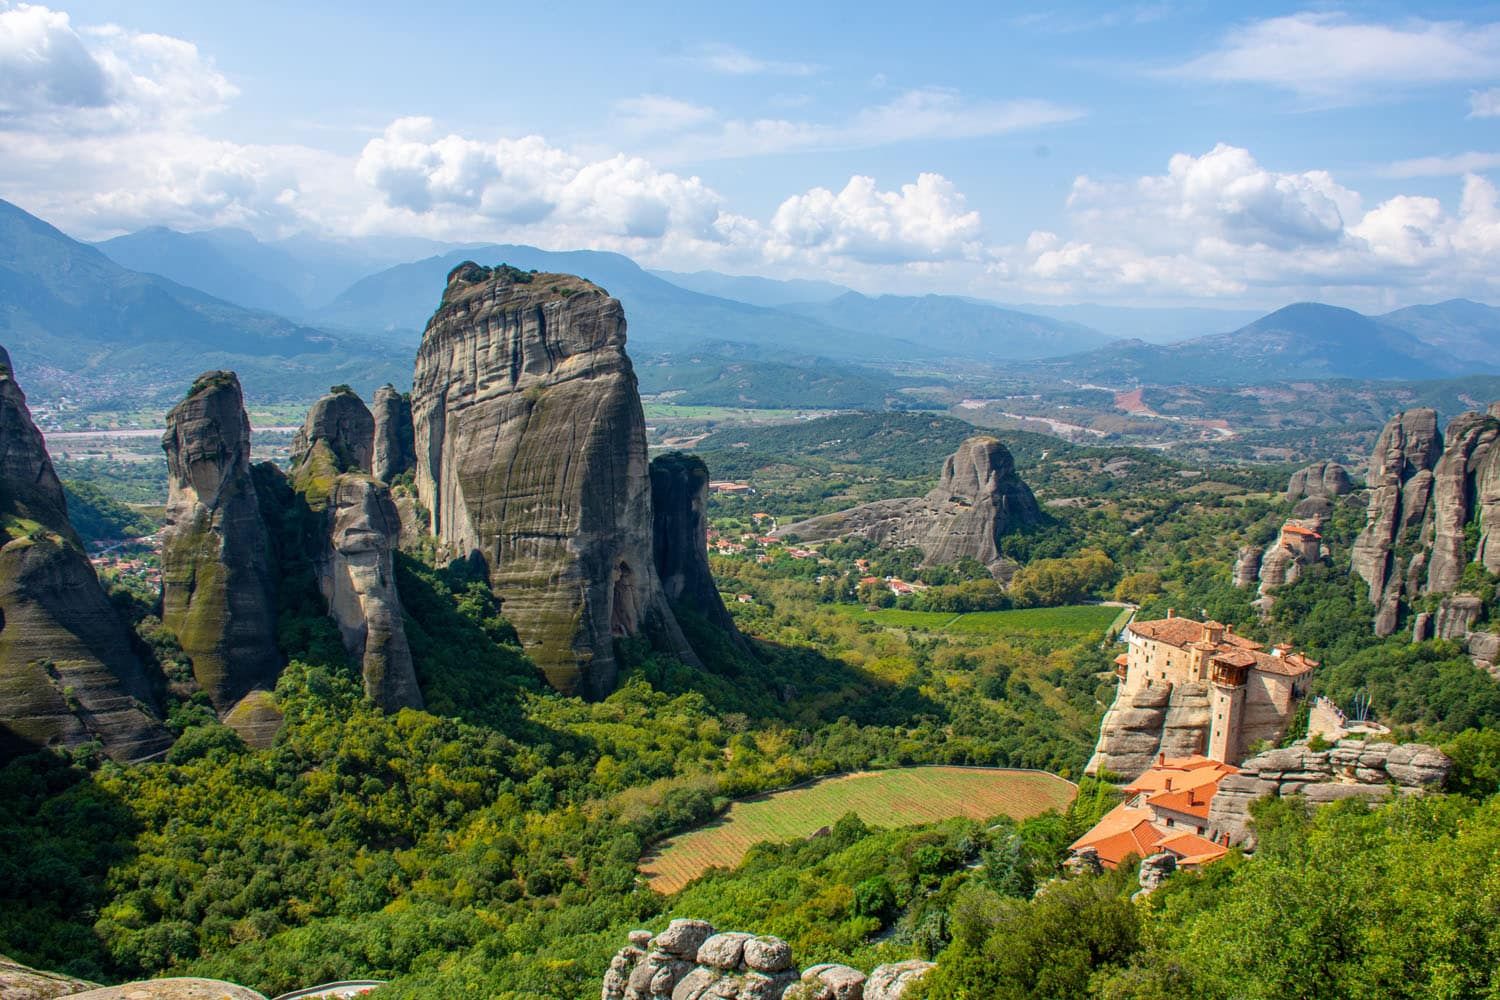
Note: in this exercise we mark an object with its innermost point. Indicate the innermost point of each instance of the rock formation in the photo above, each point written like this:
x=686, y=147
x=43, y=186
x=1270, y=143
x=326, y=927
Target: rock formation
x=218, y=588
x=690, y=960
x=68, y=674
x=1247, y=566
x=1321, y=479
x=1155, y=870
x=1400, y=480
x=1299, y=545
x=395, y=448
x=358, y=532
x=979, y=500
x=1348, y=769
x=1165, y=719
x=531, y=452
x=679, y=505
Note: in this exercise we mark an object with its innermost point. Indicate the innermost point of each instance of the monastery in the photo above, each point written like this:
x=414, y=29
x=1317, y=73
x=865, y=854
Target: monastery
x=1195, y=688
x=1165, y=809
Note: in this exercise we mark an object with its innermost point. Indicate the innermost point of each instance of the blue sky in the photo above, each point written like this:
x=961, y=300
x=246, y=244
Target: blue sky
x=1156, y=153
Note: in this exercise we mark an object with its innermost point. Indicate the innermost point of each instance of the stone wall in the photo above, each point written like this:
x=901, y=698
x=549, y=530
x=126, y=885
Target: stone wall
x=690, y=960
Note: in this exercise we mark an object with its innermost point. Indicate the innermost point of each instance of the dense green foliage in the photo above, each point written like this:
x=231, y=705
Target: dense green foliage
x=97, y=515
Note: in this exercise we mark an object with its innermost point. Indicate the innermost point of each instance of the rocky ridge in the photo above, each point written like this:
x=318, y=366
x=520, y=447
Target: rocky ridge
x=531, y=452
x=978, y=500
x=690, y=960
x=1166, y=719
x=1350, y=769
x=68, y=672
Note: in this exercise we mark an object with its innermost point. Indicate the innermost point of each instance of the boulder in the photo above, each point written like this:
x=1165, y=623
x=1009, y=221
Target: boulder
x=683, y=938
x=832, y=982
x=1456, y=616
x=395, y=451
x=978, y=500
x=531, y=452
x=889, y=982
x=1416, y=765
x=1483, y=648
x=724, y=951
x=1421, y=626
x=768, y=954
x=218, y=586
x=1155, y=870
x=1247, y=566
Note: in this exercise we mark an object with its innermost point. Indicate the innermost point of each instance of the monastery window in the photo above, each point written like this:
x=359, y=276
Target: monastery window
x=1171, y=821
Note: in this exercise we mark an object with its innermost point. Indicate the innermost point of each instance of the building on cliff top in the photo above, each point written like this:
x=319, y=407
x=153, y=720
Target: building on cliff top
x=1165, y=809
x=1190, y=687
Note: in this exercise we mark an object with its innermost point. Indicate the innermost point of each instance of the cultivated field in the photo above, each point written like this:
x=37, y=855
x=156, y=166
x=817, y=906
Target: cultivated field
x=1082, y=620
x=897, y=797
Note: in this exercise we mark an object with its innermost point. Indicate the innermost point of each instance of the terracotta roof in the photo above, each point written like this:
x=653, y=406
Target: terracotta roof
x=1122, y=659
x=1181, y=773
x=1237, y=658
x=1297, y=529
x=1132, y=829
x=1189, y=801
x=1236, y=650
x=1192, y=850
x=1173, y=631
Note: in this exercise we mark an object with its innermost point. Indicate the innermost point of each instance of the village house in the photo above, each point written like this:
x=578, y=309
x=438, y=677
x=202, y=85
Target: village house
x=731, y=488
x=1253, y=691
x=1165, y=809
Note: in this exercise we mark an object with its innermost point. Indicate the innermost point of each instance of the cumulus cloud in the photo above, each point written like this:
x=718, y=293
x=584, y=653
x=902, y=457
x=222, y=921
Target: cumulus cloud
x=52, y=76
x=1220, y=224
x=923, y=221
x=1328, y=55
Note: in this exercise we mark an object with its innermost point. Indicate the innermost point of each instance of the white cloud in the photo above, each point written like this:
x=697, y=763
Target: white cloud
x=732, y=61
x=1485, y=103
x=1221, y=224
x=1327, y=55
x=54, y=77
x=654, y=113
x=1444, y=166
x=927, y=220
x=926, y=114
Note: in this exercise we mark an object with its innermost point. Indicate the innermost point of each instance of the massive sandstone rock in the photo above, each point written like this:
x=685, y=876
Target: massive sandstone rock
x=356, y=538
x=218, y=588
x=691, y=961
x=1247, y=566
x=1400, y=480
x=1466, y=445
x=1164, y=719
x=395, y=448
x=531, y=452
x=679, y=505
x=1348, y=769
x=1321, y=479
x=978, y=501
x=68, y=674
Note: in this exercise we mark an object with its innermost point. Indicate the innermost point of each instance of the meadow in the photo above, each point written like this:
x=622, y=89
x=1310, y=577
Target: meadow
x=893, y=798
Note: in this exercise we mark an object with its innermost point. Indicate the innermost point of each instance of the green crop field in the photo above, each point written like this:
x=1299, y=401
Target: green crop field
x=1077, y=619
x=897, y=797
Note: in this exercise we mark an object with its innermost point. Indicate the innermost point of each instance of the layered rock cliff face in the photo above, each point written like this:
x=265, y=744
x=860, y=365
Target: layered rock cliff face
x=395, y=448
x=358, y=530
x=1427, y=491
x=978, y=501
x=1321, y=479
x=690, y=960
x=218, y=587
x=679, y=505
x=531, y=452
x=68, y=674
x=1350, y=769
x=1166, y=719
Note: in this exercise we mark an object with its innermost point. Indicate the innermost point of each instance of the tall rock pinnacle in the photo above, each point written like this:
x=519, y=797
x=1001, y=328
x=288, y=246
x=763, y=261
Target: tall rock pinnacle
x=531, y=451
x=679, y=503
x=68, y=674
x=218, y=590
x=395, y=452
x=356, y=539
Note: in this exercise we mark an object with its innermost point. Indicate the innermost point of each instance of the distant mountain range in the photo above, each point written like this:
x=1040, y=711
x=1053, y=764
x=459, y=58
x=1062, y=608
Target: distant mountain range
x=1313, y=341
x=157, y=306
x=70, y=315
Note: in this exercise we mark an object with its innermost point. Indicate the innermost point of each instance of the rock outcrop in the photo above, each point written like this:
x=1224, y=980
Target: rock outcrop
x=1321, y=479
x=1427, y=494
x=531, y=452
x=395, y=447
x=358, y=533
x=1348, y=769
x=68, y=673
x=1247, y=566
x=218, y=588
x=679, y=534
x=690, y=960
x=1165, y=719
x=979, y=500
